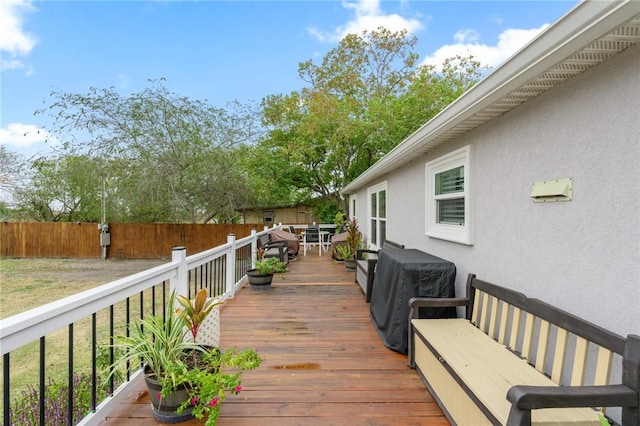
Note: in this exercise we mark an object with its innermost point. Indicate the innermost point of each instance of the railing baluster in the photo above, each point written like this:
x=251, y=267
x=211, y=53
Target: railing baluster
x=94, y=368
x=5, y=389
x=153, y=300
x=41, y=396
x=70, y=377
x=126, y=322
x=111, y=350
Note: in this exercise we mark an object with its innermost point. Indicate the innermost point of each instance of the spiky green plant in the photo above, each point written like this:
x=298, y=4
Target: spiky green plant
x=194, y=312
x=157, y=341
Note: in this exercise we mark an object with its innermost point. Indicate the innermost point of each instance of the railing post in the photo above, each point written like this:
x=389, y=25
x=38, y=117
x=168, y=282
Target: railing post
x=180, y=283
x=231, y=265
x=254, y=248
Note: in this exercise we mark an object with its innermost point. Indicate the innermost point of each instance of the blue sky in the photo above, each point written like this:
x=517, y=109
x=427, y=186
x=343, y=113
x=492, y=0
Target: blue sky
x=222, y=50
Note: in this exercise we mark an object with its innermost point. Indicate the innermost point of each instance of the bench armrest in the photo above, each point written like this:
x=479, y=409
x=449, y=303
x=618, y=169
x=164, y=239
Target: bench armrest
x=525, y=398
x=277, y=243
x=415, y=303
x=360, y=252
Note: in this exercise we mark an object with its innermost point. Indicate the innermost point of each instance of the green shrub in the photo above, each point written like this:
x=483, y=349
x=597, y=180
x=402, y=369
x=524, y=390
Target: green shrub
x=26, y=409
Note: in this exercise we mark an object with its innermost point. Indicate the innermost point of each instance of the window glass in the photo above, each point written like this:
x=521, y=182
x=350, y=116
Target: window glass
x=383, y=204
x=451, y=211
x=374, y=204
x=450, y=181
x=374, y=231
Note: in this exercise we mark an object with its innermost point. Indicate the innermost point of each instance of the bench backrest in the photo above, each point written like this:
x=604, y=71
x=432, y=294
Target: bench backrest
x=263, y=240
x=388, y=244
x=554, y=341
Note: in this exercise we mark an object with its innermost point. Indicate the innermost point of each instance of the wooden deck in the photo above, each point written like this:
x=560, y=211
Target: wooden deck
x=324, y=363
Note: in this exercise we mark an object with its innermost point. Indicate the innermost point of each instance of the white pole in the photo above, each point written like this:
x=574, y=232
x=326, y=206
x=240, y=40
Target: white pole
x=180, y=284
x=231, y=265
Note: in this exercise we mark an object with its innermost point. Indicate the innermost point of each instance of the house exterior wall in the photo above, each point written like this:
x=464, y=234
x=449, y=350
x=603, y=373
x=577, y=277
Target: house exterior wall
x=583, y=255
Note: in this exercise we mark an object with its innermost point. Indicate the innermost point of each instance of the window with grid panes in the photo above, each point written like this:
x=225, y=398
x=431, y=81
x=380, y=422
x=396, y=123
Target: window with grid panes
x=448, y=198
x=377, y=229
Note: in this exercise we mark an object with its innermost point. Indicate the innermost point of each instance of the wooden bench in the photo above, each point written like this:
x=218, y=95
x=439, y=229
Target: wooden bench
x=365, y=266
x=519, y=361
x=279, y=249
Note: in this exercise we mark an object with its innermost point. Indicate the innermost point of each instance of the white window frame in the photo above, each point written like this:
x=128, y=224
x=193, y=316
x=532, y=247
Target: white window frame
x=376, y=189
x=352, y=205
x=462, y=234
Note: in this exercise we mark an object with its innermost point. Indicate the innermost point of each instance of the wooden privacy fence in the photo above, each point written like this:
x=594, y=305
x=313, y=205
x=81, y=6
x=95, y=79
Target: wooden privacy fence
x=128, y=240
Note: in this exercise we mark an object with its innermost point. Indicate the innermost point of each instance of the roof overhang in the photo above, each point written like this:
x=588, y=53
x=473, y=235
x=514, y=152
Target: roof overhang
x=587, y=35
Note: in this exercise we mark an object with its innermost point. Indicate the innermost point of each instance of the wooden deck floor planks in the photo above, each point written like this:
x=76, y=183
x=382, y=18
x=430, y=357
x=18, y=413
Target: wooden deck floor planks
x=324, y=363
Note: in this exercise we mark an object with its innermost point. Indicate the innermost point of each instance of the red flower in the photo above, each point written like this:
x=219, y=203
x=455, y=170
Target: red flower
x=213, y=402
x=237, y=389
x=158, y=396
x=194, y=400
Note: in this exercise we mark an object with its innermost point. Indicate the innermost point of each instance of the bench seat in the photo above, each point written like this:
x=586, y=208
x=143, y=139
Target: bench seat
x=458, y=352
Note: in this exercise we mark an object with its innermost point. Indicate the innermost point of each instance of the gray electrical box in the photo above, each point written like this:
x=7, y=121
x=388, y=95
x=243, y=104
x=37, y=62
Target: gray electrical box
x=105, y=239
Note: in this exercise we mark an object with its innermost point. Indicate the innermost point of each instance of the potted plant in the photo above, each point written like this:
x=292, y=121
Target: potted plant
x=184, y=379
x=353, y=243
x=261, y=276
x=340, y=220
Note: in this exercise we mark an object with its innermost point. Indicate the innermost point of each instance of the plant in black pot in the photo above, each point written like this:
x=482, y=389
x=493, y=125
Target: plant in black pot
x=353, y=242
x=261, y=276
x=184, y=379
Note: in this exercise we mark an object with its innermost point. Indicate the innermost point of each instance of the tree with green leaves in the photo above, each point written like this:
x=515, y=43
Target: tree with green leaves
x=11, y=179
x=11, y=164
x=62, y=190
x=177, y=158
x=367, y=95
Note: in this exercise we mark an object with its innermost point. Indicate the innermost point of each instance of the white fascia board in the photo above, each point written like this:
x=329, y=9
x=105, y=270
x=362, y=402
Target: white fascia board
x=582, y=25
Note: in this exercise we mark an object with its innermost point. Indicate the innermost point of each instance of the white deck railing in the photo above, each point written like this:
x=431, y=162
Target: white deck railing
x=33, y=325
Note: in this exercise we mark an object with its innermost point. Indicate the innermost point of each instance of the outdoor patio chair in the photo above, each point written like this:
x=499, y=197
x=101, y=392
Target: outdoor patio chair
x=312, y=238
x=292, y=229
x=277, y=249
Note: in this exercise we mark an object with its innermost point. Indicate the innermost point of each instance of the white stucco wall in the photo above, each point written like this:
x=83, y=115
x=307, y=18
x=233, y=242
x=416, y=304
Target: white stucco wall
x=583, y=255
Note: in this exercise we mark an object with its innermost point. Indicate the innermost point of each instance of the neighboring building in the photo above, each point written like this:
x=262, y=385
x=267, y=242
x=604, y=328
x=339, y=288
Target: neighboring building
x=281, y=214
x=566, y=106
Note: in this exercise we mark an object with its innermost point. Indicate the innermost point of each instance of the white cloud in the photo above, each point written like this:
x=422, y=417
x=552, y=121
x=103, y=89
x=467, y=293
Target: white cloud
x=467, y=42
x=14, y=40
x=23, y=135
x=368, y=16
x=466, y=36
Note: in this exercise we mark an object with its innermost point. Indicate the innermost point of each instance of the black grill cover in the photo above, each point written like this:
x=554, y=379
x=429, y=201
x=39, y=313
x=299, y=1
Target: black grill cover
x=400, y=275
